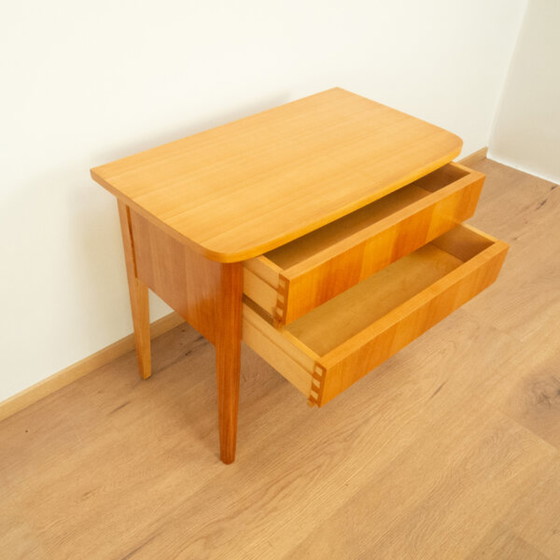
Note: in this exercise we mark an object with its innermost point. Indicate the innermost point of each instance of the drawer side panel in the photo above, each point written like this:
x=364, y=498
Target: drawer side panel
x=269, y=344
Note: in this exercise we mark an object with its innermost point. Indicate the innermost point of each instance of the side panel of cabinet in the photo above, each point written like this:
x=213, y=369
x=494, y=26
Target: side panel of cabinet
x=185, y=280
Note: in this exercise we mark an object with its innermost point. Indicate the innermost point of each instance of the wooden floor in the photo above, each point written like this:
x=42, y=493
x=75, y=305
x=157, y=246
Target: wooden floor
x=450, y=450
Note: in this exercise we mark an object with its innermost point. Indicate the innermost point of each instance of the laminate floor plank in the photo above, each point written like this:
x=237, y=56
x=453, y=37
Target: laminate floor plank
x=463, y=479
x=524, y=211
x=450, y=449
x=535, y=517
x=502, y=542
x=527, y=387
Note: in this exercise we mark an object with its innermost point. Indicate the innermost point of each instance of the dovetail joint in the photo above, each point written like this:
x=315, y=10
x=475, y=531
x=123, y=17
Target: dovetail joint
x=281, y=299
x=317, y=380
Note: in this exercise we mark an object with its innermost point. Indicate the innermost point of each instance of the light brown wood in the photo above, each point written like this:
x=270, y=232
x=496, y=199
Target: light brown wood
x=295, y=361
x=296, y=278
x=450, y=450
x=192, y=211
x=138, y=292
x=228, y=356
x=239, y=190
x=184, y=279
x=208, y=295
x=68, y=375
x=356, y=331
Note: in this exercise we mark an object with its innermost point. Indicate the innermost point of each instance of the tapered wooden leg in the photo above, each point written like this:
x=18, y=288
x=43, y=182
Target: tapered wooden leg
x=141, y=321
x=228, y=356
x=138, y=297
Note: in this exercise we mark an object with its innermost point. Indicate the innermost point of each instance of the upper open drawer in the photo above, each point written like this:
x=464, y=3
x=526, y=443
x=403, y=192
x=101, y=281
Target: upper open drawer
x=290, y=281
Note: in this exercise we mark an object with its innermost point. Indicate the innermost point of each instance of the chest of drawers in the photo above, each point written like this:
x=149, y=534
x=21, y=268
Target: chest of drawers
x=326, y=234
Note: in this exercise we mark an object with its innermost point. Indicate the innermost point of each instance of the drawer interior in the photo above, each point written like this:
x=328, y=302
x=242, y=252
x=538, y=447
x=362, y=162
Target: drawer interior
x=341, y=318
x=306, y=247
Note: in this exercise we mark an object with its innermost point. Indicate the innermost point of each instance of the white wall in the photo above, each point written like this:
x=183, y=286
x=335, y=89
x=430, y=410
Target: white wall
x=527, y=129
x=84, y=83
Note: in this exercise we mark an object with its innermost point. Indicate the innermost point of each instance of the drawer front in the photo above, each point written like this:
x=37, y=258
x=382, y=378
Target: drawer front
x=294, y=279
x=405, y=300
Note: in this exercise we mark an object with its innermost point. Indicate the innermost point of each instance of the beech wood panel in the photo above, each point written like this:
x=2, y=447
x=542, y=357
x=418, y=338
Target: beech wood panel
x=263, y=338
x=239, y=190
x=208, y=295
x=296, y=278
x=138, y=292
x=361, y=328
x=184, y=279
x=228, y=327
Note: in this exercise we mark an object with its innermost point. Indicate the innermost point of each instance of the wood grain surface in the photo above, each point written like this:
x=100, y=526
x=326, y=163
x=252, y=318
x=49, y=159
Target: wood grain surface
x=449, y=450
x=344, y=339
x=184, y=279
x=247, y=187
x=138, y=293
x=319, y=266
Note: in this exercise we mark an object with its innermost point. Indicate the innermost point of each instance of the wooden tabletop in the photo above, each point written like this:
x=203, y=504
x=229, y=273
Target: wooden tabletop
x=241, y=189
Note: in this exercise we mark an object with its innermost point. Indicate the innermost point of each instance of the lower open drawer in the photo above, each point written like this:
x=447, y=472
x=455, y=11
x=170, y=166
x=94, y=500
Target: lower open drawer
x=328, y=349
